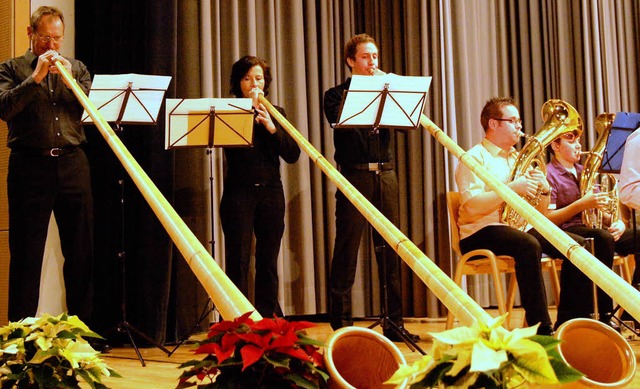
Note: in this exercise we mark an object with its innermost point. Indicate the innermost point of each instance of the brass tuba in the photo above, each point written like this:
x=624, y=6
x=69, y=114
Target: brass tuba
x=591, y=177
x=559, y=118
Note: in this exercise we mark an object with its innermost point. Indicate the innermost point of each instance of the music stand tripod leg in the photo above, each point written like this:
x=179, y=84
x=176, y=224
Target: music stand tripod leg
x=208, y=309
x=124, y=326
x=380, y=250
x=385, y=321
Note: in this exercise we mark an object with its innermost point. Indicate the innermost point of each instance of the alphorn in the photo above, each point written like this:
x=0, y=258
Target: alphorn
x=228, y=299
x=574, y=352
x=622, y=292
x=232, y=303
x=459, y=302
x=456, y=300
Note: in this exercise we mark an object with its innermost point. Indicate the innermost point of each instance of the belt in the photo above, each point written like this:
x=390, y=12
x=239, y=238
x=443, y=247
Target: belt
x=371, y=166
x=54, y=152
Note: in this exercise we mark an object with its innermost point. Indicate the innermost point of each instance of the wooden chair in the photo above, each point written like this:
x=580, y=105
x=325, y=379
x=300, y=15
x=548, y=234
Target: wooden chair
x=623, y=262
x=489, y=263
x=486, y=263
x=553, y=266
x=627, y=265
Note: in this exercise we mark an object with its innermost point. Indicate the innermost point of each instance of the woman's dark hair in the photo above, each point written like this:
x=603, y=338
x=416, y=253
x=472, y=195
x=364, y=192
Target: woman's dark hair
x=242, y=67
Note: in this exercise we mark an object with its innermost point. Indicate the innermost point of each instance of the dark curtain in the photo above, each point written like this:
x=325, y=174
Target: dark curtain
x=134, y=255
x=406, y=50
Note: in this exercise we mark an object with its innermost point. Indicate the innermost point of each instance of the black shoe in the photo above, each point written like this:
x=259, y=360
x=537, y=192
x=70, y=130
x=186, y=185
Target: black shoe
x=395, y=335
x=545, y=329
x=100, y=345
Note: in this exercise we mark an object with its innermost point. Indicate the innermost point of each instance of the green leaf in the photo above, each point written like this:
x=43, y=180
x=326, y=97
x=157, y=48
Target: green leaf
x=320, y=372
x=301, y=381
x=282, y=362
x=87, y=378
x=548, y=342
x=305, y=340
x=535, y=369
x=113, y=373
x=564, y=372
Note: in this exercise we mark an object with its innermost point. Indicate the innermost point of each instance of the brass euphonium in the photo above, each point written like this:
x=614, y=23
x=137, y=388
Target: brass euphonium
x=559, y=118
x=591, y=177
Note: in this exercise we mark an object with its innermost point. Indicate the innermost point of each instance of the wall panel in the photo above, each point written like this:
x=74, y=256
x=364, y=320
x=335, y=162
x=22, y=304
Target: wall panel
x=14, y=18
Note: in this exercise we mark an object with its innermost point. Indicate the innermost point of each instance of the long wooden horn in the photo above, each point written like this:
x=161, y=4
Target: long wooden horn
x=622, y=292
x=599, y=352
x=459, y=302
x=456, y=300
x=225, y=295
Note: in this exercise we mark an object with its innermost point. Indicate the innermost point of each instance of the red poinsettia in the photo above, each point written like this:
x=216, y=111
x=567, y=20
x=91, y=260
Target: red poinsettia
x=243, y=353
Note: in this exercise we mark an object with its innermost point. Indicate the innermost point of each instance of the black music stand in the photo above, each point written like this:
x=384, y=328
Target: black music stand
x=128, y=99
x=389, y=101
x=208, y=123
x=624, y=124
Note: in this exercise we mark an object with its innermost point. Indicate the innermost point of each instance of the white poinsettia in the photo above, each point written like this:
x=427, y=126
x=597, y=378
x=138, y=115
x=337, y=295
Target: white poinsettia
x=50, y=351
x=469, y=357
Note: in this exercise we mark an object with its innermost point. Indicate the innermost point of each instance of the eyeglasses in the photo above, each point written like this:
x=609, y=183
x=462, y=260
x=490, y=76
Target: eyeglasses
x=510, y=120
x=48, y=39
x=571, y=137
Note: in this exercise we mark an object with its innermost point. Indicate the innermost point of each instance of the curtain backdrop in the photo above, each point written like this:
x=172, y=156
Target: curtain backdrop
x=578, y=51
x=581, y=51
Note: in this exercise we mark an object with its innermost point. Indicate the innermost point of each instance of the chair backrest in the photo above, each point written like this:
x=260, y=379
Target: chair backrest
x=453, y=205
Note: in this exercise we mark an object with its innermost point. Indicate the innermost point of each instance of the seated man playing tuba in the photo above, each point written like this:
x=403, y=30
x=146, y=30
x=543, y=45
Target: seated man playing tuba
x=480, y=222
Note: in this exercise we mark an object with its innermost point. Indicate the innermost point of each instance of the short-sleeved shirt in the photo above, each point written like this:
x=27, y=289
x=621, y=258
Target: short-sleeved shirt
x=565, y=189
x=630, y=172
x=497, y=161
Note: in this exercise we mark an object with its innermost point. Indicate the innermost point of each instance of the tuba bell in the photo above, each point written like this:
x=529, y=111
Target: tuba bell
x=559, y=118
x=592, y=178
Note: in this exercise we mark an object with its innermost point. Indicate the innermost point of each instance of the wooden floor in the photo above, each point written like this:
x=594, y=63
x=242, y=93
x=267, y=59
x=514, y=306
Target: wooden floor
x=161, y=371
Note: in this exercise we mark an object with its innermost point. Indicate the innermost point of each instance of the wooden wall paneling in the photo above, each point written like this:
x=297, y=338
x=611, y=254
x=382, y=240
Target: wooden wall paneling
x=14, y=18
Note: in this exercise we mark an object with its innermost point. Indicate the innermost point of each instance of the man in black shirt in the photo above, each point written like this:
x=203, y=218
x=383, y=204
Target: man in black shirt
x=48, y=171
x=364, y=158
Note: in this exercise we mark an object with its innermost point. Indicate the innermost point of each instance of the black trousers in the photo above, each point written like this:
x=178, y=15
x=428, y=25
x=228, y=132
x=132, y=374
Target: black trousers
x=245, y=211
x=350, y=224
x=37, y=186
x=525, y=249
x=630, y=244
x=576, y=289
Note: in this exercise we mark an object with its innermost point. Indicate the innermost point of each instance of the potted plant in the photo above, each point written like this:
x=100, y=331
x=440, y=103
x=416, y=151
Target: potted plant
x=264, y=354
x=50, y=352
x=488, y=356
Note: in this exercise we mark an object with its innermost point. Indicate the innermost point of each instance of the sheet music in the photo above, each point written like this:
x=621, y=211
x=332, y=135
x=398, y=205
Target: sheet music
x=143, y=105
x=403, y=105
x=189, y=123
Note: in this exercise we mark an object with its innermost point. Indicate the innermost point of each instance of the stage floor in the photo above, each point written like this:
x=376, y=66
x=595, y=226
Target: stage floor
x=161, y=371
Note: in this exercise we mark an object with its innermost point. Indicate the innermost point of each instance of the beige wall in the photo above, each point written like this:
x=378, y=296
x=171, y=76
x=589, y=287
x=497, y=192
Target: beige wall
x=12, y=14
